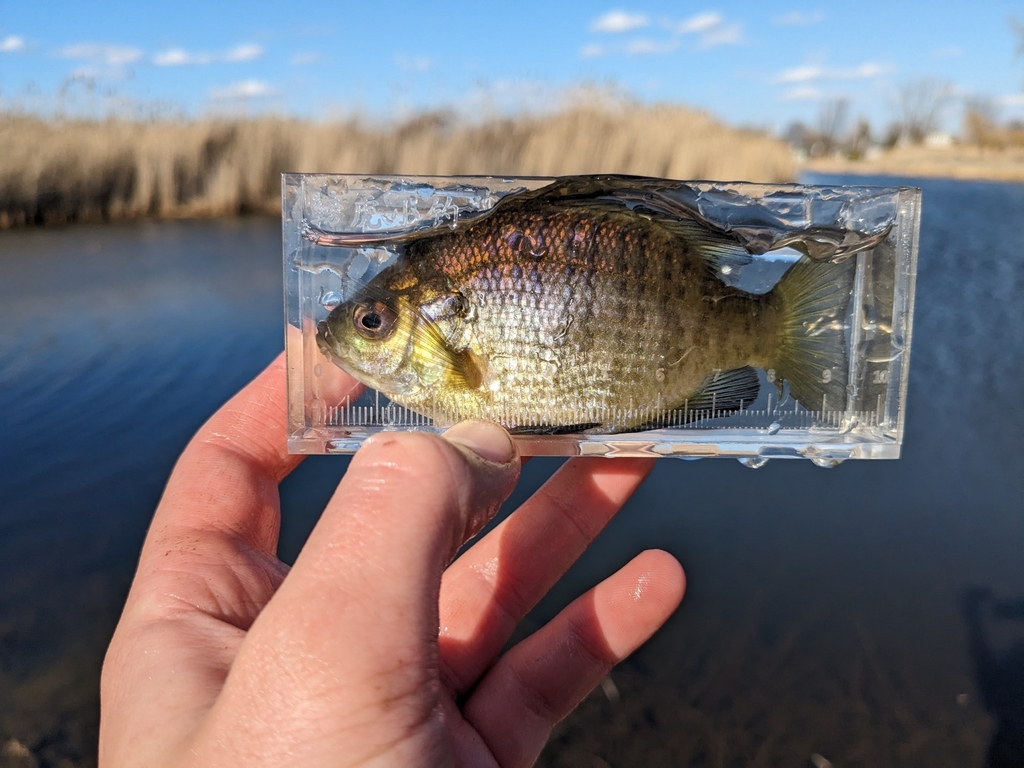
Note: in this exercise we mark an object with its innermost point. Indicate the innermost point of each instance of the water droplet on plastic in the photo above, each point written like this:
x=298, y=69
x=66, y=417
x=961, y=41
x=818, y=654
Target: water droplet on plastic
x=826, y=463
x=774, y=427
x=358, y=266
x=330, y=300
x=754, y=462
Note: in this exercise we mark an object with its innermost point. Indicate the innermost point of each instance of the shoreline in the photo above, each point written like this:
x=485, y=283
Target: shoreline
x=963, y=163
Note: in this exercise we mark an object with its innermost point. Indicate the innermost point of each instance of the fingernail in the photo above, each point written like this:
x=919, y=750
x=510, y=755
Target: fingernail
x=486, y=440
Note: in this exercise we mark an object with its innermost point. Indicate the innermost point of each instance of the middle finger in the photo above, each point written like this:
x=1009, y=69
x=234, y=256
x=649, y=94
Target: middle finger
x=488, y=590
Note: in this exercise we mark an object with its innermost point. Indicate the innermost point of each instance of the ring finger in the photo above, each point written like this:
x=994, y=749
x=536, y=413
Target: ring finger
x=487, y=591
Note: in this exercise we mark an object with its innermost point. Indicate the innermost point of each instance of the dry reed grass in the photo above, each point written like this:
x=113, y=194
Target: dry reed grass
x=983, y=131
x=957, y=162
x=55, y=172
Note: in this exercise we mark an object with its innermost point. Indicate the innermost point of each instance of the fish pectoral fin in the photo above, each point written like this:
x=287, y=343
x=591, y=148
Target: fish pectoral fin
x=472, y=369
x=725, y=392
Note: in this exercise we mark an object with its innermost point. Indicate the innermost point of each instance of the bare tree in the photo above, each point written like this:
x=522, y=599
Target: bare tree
x=832, y=124
x=920, y=107
x=981, y=122
x=859, y=141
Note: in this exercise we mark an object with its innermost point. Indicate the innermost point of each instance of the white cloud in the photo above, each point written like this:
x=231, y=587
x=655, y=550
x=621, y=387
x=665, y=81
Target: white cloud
x=710, y=29
x=707, y=30
x=414, y=63
x=702, y=22
x=12, y=44
x=803, y=93
x=730, y=35
x=800, y=75
x=1012, y=100
x=649, y=47
x=111, y=55
x=178, y=57
x=245, y=89
x=810, y=73
x=619, y=21
x=245, y=52
x=797, y=19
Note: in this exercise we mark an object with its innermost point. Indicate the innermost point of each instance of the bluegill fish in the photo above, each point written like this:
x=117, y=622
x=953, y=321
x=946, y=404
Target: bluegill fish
x=592, y=304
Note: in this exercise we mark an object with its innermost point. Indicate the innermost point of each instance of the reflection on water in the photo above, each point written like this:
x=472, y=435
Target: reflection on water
x=830, y=612
x=1000, y=674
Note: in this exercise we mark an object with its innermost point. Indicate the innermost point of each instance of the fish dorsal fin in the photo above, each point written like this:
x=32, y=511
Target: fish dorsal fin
x=753, y=226
x=723, y=254
x=649, y=198
x=568, y=188
x=656, y=199
x=724, y=393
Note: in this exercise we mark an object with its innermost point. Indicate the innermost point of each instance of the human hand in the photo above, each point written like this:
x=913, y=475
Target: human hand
x=224, y=657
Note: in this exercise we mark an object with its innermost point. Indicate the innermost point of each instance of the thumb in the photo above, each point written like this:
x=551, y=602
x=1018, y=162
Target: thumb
x=350, y=638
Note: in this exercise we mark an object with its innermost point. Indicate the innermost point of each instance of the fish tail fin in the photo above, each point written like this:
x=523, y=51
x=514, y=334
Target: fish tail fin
x=811, y=346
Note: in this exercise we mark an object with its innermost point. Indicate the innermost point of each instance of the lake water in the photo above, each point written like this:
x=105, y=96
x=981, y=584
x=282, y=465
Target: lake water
x=869, y=615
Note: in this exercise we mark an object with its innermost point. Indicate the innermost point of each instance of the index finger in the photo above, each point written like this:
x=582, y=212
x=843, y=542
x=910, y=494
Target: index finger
x=226, y=479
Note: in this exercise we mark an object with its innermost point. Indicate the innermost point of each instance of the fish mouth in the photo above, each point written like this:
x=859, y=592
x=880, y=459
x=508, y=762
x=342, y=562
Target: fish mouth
x=325, y=341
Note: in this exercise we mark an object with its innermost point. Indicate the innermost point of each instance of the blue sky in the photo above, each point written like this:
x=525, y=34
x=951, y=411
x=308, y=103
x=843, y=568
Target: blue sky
x=758, y=64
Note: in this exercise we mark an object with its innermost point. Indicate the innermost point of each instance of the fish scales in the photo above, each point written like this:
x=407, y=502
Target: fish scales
x=580, y=313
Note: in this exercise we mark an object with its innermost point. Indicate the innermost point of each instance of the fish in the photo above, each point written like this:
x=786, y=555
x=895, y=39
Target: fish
x=594, y=305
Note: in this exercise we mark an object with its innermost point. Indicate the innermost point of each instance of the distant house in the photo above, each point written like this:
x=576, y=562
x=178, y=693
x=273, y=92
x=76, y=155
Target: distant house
x=938, y=140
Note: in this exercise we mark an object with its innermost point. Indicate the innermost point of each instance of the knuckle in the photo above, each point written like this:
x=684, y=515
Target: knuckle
x=537, y=700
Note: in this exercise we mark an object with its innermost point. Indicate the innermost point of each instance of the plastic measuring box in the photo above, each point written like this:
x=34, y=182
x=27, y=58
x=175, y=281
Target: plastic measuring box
x=601, y=315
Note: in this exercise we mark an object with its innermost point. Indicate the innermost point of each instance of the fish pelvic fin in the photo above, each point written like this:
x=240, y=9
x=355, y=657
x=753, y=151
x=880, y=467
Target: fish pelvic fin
x=811, y=351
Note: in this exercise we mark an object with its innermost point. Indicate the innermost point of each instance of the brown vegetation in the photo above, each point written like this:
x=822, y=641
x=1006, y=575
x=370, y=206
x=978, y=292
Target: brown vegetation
x=955, y=162
x=54, y=172
x=986, y=150
x=982, y=129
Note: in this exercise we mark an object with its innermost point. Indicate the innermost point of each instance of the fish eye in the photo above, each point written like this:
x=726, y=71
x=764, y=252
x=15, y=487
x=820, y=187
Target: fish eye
x=374, y=321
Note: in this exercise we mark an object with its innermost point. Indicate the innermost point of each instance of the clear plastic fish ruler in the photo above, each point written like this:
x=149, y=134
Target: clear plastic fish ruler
x=601, y=315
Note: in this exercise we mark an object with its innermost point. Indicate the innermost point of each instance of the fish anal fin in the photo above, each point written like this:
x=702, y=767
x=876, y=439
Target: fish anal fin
x=726, y=392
